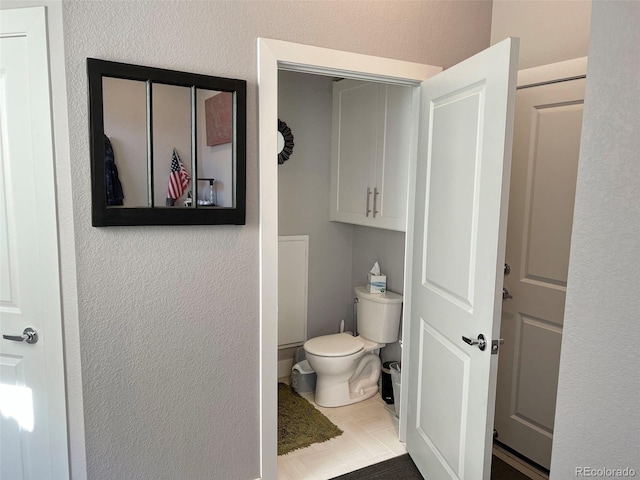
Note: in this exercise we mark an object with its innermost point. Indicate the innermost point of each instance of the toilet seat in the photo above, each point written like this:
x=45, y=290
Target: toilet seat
x=336, y=345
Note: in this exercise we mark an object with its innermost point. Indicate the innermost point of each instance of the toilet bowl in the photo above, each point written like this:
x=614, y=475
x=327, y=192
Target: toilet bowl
x=348, y=367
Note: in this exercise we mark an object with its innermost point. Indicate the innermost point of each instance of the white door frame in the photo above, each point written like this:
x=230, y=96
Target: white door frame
x=553, y=72
x=274, y=55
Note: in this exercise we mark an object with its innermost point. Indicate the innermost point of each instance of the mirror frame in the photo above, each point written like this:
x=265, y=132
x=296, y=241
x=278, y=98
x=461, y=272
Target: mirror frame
x=102, y=215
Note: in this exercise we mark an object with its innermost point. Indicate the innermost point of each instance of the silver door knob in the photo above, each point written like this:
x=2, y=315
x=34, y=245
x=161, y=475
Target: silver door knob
x=29, y=335
x=505, y=293
x=481, y=341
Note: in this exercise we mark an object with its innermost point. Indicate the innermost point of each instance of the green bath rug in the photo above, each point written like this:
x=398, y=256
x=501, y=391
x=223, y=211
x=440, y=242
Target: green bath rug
x=300, y=424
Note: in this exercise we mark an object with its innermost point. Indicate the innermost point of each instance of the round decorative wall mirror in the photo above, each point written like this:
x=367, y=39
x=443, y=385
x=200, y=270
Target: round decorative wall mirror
x=285, y=142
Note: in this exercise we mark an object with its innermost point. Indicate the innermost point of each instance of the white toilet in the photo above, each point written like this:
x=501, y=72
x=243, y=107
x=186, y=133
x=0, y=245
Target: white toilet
x=348, y=367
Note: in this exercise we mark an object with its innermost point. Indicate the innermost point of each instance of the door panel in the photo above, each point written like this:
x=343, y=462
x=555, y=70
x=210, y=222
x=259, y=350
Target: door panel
x=537, y=379
x=453, y=180
x=442, y=410
x=551, y=183
x=355, y=131
x=392, y=168
x=459, y=230
x=545, y=160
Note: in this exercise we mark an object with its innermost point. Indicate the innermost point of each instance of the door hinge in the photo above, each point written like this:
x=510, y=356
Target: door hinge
x=495, y=346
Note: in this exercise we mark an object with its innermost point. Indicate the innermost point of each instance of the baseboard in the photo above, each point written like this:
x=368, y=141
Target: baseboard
x=284, y=367
x=519, y=464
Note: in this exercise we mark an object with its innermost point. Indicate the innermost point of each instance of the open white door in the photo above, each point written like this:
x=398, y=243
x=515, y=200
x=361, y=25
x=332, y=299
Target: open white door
x=459, y=232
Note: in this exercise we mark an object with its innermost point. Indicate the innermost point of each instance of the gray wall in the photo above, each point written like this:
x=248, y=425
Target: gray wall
x=168, y=317
x=386, y=247
x=597, y=415
x=304, y=182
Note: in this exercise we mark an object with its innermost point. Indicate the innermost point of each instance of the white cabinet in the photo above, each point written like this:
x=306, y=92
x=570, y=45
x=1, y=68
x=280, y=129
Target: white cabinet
x=370, y=154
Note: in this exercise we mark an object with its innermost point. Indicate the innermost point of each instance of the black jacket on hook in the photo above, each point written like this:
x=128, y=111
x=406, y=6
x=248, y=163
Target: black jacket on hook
x=115, y=195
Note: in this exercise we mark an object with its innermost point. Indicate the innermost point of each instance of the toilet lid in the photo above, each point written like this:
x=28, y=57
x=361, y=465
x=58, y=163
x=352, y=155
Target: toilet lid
x=337, y=345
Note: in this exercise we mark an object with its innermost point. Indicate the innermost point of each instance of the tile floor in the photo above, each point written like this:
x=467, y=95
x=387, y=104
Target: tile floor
x=370, y=436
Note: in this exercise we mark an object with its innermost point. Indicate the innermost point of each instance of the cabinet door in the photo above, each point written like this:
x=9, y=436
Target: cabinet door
x=354, y=147
x=392, y=165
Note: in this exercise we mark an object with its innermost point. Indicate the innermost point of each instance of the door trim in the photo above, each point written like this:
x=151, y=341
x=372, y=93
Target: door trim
x=274, y=55
x=553, y=72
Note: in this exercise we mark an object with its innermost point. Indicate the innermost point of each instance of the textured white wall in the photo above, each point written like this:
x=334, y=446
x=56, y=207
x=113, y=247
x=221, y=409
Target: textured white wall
x=549, y=31
x=597, y=414
x=304, y=181
x=168, y=316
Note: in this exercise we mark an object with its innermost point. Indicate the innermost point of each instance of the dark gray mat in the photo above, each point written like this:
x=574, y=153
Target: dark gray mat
x=403, y=468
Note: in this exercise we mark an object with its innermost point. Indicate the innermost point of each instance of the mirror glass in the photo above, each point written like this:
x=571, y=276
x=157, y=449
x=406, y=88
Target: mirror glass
x=215, y=148
x=125, y=129
x=171, y=126
x=167, y=147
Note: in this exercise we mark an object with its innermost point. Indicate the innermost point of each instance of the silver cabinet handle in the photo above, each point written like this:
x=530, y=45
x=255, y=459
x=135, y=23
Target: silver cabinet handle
x=29, y=335
x=375, y=201
x=481, y=341
x=505, y=293
x=367, y=210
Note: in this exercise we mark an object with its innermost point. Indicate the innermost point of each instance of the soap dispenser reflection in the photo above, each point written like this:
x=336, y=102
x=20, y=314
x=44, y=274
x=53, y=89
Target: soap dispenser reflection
x=209, y=194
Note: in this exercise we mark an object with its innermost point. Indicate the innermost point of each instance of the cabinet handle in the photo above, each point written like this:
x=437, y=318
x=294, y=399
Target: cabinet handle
x=367, y=210
x=375, y=201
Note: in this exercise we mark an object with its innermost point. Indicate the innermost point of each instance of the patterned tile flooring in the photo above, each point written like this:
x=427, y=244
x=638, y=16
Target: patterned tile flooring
x=370, y=436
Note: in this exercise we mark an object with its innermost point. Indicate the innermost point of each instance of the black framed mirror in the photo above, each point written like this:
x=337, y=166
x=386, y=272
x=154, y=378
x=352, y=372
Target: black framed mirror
x=167, y=147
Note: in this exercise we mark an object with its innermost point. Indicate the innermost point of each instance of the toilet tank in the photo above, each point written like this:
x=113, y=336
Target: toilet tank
x=378, y=315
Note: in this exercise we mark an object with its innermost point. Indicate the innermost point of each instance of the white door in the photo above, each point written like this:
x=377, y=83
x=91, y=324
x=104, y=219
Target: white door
x=459, y=232
x=543, y=183
x=33, y=443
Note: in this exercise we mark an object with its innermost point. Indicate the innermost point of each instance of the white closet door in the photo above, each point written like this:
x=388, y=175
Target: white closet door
x=543, y=185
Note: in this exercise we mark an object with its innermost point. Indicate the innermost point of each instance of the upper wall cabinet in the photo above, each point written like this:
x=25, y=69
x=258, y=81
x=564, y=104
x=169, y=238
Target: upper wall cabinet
x=167, y=147
x=371, y=144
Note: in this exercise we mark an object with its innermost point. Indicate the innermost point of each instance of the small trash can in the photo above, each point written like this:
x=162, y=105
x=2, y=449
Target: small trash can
x=303, y=377
x=386, y=388
x=395, y=368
